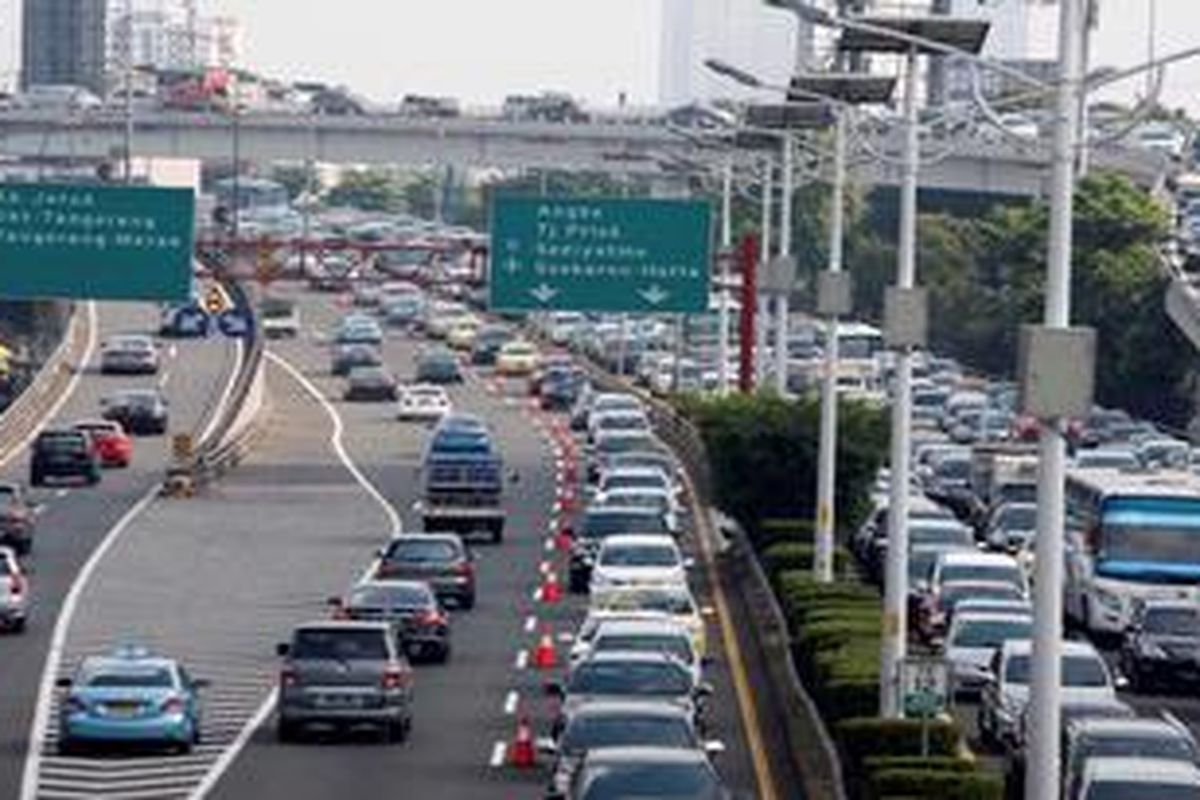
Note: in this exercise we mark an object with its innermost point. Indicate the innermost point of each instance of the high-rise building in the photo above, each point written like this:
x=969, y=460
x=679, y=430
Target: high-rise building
x=169, y=35
x=744, y=33
x=63, y=41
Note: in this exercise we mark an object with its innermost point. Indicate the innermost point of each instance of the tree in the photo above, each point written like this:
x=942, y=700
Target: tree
x=368, y=190
x=297, y=179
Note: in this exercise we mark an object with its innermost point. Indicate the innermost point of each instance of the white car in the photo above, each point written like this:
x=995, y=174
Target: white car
x=423, y=402
x=663, y=500
x=637, y=559
x=613, y=480
x=625, y=419
x=279, y=318
x=661, y=634
x=14, y=592
x=674, y=601
x=973, y=640
x=1086, y=679
x=957, y=567
x=129, y=353
x=1123, y=777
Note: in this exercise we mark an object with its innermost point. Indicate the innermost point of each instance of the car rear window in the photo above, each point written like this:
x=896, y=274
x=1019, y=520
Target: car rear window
x=627, y=730
x=155, y=677
x=600, y=525
x=398, y=596
x=641, y=555
x=673, y=645
x=61, y=442
x=423, y=551
x=340, y=644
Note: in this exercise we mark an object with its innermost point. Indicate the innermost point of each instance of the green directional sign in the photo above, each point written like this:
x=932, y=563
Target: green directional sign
x=588, y=254
x=95, y=241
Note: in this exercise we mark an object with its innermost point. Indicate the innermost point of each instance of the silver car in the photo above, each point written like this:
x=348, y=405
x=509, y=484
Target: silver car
x=344, y=674
x=14, y=592
x=129, y=354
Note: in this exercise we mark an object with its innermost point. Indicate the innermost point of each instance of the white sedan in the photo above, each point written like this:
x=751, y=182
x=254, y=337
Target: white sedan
x=637, y=559
x=423, y=402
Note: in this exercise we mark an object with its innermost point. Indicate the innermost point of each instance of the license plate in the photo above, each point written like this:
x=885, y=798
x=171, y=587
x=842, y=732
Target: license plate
x=338, y=701
x=122, y=710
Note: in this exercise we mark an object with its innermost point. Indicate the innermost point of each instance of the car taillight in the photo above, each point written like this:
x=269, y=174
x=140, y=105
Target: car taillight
x=288, y=678
x=173, y=705
x=395, y=678
x=465, y=568
x=430, y=618
x=17, y=585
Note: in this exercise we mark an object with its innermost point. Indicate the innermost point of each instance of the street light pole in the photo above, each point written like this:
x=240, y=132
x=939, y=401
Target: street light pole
x=1042, y=774
x=726, y=256
x=827, y=453
x=785, y=251
x=764, y=316
x=128, y=80
x=895, y=624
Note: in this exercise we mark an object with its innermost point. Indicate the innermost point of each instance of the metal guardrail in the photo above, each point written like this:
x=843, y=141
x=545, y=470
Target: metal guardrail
x=227, y=441
x=811, y=755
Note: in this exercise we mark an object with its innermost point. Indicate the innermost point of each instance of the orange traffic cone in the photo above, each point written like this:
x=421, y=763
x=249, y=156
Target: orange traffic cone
x=520, y=750
x=544, y=656
x=570, y=472
x=564, y=538
x=568, y=499
x=551, y=589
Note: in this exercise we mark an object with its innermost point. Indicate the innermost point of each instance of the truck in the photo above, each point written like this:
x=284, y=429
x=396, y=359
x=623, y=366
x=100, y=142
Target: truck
x=463, y=480
x=1001, y=472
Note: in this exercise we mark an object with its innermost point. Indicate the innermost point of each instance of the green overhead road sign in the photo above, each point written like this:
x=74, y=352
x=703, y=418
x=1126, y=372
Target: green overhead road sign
x=588, y=254
x=95, y=241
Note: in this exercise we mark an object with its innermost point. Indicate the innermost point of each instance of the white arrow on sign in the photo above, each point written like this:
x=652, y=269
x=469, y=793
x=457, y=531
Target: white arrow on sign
x=513, y=266
x=654, y=295
x=543, y=293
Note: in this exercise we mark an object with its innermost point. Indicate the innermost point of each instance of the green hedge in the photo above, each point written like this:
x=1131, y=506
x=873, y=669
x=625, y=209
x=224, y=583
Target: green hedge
x=799, y=556
x=866, y=737
x=934, y=763
x=940, y=784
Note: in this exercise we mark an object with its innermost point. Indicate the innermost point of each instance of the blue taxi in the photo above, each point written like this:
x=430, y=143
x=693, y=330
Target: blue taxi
x=129, y=697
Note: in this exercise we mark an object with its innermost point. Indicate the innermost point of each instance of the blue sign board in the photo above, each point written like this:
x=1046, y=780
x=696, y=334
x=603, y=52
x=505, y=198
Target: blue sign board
x=237, y=323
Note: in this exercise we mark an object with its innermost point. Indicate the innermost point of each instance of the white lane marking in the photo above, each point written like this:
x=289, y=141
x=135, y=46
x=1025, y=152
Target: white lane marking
x=545, y=568
x=164, y=379
x=222, y=765
x=549, y=545
x=537, y=595
x=530, y=623
x=522, y=659
x=61, y=492
x=58, y=640
x=173, y=351
x=226, y=392
x=335, y=441
x=499, y=751
x=511, y=701
x=52, y=412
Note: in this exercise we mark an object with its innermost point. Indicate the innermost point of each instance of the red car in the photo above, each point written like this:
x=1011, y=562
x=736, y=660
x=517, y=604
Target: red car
x=112, y=443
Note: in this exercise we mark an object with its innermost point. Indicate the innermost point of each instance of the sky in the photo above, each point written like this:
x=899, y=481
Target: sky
x=482, y=50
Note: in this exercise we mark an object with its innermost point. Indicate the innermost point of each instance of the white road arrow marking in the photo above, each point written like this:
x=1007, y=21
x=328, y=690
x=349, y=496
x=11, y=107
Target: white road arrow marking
x=654, y=295
x=543, y=293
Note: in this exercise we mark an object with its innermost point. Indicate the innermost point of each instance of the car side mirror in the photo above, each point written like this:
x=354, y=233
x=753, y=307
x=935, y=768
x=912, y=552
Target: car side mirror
x=514, y=477
x=689, y=563
x=553, y=689
x=63, y=683
x=201, y=683
x=704, y=690
x=547, y=746
x=714, y=747
x=282, y=649
x=1120, y=681
x=335, y=602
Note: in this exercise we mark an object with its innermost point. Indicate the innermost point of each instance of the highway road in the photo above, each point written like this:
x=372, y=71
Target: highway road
x=76, y=520
x=218, y=579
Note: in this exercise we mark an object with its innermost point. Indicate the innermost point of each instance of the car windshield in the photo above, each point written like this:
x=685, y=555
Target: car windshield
x=422, y=551
x=639, y=678
x=274, y=309
x=641, y=555
x=344, y=644
x=1013, y=518
x=597, y=525
x=952, y=595
x=1139, y=790
x=462, y=441
x=368, y=374
x=623, y=443
x=1000, y=573
x=1172, y=621
x=587, y=731
x=671, y=644
x=953, y=468
x=61, y=442
x=939, y=534
x=1159, y=745
x=674, y=603
x=991, y=632
x=633, y=481
x=692, y=781
x=130, y=677
x=655, y=501
x=390, y=596
x=1077, y=671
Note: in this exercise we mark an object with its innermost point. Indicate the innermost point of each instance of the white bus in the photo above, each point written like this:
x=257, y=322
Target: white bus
x=1129, y=536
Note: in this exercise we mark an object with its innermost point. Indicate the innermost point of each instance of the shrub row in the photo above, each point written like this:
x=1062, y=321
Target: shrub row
x=799, y=557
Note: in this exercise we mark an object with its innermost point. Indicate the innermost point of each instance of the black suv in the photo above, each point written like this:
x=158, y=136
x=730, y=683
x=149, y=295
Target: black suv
x=64, y=453
x=1162, y=644
x=440, y=559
